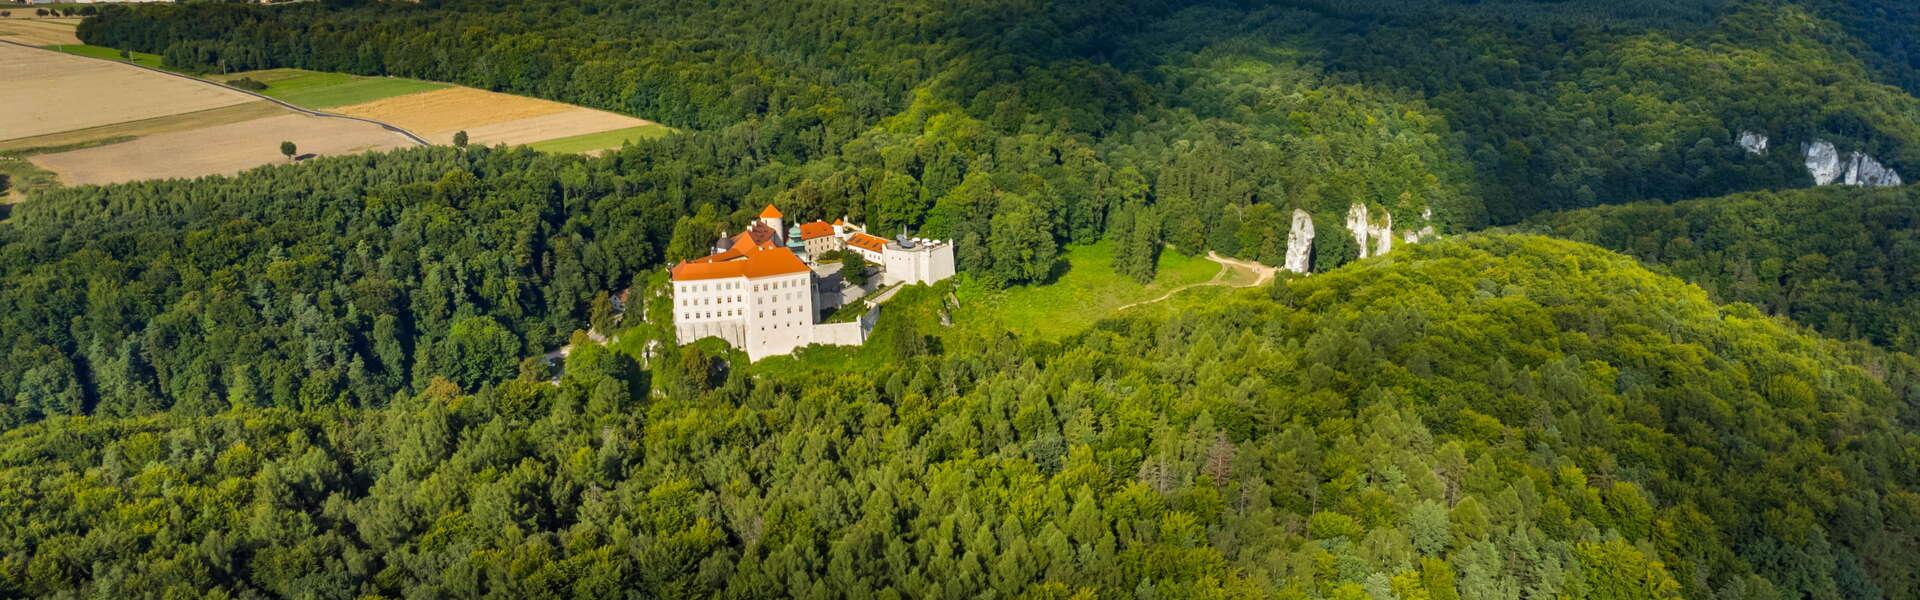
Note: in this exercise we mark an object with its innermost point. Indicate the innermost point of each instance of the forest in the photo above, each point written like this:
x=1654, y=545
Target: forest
x=321, y=379
x=1845, y=262
x=1484, y=417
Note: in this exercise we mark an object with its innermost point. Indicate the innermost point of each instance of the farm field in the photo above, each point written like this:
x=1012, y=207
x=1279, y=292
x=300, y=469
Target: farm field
x=317, y=90
x=489, y=117
x=132, y=129
x=84, y=121
x=143, y=59
x=216, y=150
x=601, y=141
x=68, y=93
x=39, y=32
x=436, y=111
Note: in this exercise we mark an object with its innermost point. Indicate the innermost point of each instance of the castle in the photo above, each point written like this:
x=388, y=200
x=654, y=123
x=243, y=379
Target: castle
x=764, y=290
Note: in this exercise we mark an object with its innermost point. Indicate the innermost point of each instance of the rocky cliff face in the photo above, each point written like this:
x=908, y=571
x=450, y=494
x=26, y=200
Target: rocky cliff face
x=1829, y=167
x=1754, y=142
x=1300, y=243
x=1373, y=239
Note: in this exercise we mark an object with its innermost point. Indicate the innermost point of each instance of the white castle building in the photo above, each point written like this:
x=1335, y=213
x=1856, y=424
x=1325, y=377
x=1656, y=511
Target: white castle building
x=758, y=292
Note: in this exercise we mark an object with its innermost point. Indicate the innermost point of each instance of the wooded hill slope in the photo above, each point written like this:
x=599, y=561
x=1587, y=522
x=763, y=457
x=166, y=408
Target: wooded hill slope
x=1843, y=261
x=1012, y=128
x=1485, y=417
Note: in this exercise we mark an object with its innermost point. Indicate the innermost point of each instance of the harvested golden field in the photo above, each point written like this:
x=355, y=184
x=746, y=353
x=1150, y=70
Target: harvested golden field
x=452, y=109
x=180, y=122
x=487, y=117
x=39, y=32
x=575, y=121
x=216, y=150
x=50, y=92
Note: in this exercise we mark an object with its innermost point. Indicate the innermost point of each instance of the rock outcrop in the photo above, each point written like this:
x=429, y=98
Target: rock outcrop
x=1864, y=170
x=1300, y=243
x=1373, y=239
x=1828, y=167
x=1426, y=230
x=1755, y=143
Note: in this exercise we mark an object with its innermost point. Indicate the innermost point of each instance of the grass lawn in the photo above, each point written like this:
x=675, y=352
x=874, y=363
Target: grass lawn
x=1087, y=292
x=318, y=90
x=602, y=140
x=139, y=58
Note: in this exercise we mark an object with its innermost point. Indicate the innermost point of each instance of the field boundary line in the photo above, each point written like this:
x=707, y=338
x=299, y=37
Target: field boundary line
x=306, y=111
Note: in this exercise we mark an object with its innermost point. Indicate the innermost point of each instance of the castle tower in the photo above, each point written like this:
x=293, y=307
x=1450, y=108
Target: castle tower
x=771, y=216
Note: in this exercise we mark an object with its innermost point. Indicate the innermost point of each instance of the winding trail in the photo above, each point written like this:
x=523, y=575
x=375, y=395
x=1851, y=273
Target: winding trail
x=1262, y=274
x=305, y=111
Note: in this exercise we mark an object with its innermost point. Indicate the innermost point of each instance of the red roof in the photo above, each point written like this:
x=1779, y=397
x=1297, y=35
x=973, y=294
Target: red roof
x=770, y=212
x=815, y=230
x=867, y=242
x=761, y=234
x=753, y=255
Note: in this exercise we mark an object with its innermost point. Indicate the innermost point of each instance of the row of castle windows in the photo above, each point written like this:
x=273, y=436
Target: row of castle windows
x=735, y=313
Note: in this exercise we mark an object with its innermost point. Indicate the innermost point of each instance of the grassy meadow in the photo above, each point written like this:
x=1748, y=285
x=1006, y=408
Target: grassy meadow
x=601, y=140
x=317, y=90
x=139, y=58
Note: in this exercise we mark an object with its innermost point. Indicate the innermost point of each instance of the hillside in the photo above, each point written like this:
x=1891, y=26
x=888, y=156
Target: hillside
x=321, y=379
x=1481, y=112
x=1488, y=417
x=1843, y=261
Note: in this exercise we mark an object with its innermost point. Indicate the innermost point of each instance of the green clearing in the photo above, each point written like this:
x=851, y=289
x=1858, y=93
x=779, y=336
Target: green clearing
x=602, y=140
x=1088, y=291
x=318, y=90
x=90, y=51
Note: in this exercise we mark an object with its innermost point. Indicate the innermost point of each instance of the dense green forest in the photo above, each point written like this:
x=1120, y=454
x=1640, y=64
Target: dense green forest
x=1226, y=105
x=1484, y=417
x=1844, y=261
x=314, y=380
x=1011, y=128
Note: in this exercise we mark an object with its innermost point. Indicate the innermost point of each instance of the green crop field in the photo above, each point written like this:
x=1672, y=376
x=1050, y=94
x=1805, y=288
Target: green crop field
x=313, y=89
x=91, y=51
x=601, y=140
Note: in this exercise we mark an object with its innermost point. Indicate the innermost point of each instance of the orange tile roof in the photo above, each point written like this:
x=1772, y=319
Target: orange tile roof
x=867, y=242
x=814, y=230
x=750, y=257
x=770, y=212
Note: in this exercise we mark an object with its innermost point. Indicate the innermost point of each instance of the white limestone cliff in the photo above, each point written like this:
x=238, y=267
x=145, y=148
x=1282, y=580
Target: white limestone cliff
x=1300, y=242
x=1864, y=170
x=1755, y=143
x=1823, y=162
x=1358, y=226
x=1382, y=234
x=1828, y=167
x=1373, y=239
